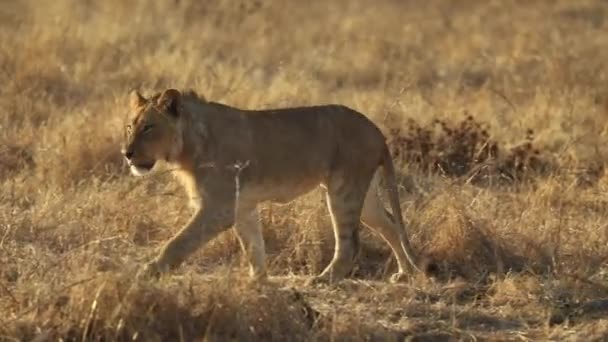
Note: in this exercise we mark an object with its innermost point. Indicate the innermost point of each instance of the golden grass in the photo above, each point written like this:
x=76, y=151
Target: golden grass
x=508, y=208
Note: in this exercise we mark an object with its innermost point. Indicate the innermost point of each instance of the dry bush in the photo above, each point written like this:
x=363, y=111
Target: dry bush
x=465, y=148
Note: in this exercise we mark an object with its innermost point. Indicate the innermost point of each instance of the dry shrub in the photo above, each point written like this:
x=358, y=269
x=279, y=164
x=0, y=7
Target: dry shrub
x=466, y=148
x=596, y=330
x=350, y=327
x=515, y=290
x=113, y=307
x=458, y=245
x=299, y=236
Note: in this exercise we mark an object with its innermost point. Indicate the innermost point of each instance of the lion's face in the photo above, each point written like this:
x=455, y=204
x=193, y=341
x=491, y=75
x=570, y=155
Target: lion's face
x=154, y=133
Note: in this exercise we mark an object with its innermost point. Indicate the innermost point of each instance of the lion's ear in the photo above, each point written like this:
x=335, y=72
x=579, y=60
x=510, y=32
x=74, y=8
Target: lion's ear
x=136, y=100
x=168, y=101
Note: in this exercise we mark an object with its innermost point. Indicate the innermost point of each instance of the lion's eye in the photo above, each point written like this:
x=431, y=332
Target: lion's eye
x=147, y=128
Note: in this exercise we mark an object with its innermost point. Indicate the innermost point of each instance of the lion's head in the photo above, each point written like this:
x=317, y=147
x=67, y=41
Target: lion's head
x=155, y=132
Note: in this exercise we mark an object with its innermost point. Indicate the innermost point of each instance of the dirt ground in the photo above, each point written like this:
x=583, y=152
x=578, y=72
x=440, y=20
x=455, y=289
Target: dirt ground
x=496, y=113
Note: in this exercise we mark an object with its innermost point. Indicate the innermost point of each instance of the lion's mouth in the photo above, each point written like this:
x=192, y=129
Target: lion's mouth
x=146, y=166
x=140, y=169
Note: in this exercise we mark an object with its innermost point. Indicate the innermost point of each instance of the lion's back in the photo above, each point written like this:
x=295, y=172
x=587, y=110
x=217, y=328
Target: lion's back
x=311, y=140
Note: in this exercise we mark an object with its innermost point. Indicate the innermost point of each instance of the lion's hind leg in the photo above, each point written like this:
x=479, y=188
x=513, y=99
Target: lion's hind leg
x=345, y=201
x=377, y=218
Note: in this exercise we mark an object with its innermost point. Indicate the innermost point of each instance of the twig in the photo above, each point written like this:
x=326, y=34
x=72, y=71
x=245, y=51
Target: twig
x=239, y=166
x=9, y=293
x=503, y=97
x=7, y=231
x=92, y=313
x=118, y=308
x=69, y=286
x=556, y=257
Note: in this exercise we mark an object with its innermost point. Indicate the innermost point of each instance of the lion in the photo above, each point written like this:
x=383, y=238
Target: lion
x=231, y=160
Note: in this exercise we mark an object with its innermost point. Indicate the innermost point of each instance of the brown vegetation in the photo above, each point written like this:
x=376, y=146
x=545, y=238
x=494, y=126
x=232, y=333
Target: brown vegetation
x=496, y=111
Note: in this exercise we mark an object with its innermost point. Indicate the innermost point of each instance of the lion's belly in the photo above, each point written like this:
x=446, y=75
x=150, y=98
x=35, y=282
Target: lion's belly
x=278, y=192
x=281, y=180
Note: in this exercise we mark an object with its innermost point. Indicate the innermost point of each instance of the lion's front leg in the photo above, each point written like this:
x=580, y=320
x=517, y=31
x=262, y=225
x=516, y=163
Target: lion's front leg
x=249, y=233
x=204, y=225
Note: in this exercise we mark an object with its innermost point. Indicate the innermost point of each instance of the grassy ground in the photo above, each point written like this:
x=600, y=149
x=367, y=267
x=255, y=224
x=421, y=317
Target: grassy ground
x=508, y=206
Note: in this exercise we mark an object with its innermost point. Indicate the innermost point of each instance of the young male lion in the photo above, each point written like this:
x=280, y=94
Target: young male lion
x=231, y=160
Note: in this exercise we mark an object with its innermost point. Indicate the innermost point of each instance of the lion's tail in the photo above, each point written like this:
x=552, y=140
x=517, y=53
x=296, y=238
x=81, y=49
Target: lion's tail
x=393, y=196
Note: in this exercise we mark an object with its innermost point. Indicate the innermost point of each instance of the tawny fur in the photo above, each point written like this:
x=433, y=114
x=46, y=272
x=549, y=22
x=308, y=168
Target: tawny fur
x=272, y=155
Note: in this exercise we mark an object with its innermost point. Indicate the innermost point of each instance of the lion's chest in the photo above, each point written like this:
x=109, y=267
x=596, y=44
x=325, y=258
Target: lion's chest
x=190, y=185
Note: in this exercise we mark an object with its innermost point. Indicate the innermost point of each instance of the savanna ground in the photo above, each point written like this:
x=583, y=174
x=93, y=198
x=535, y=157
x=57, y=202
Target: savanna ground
x=496, y=111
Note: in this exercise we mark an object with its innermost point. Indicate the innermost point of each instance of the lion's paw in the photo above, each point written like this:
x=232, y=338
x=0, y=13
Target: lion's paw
x=322, y=279
x=399, y=277
x=150, y=271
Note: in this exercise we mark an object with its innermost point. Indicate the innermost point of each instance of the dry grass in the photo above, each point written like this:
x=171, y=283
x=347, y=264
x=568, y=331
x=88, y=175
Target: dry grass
x=496, y=112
